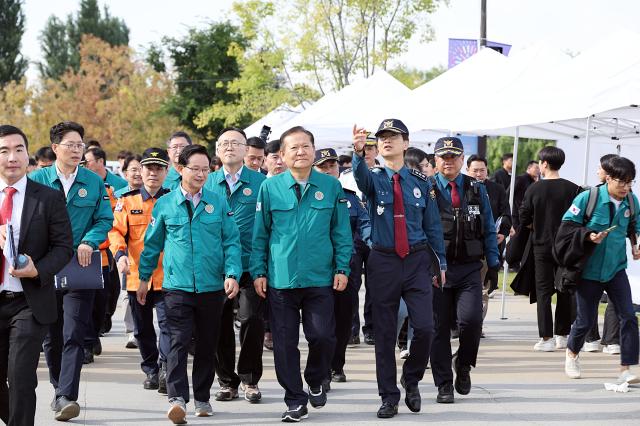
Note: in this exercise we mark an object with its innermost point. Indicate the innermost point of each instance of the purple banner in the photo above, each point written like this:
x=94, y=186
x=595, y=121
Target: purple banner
x=500, y=47
x=461, y=49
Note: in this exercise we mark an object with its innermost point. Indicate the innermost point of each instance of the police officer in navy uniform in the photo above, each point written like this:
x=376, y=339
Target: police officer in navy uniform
x=326, y=162
x=407, y=258
x=470, y=235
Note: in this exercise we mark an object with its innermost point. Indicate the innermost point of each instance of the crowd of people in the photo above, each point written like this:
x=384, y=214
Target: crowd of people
x=267, y=236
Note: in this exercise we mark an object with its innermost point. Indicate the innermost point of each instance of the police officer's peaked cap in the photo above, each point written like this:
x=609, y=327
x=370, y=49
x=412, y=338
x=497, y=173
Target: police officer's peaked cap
x=392, y=125
x=448, y=146
x=371, y=139
x=157, y=156
x=323, y=155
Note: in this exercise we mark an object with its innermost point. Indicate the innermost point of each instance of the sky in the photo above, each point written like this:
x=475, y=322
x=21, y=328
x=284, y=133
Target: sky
x=571, y=25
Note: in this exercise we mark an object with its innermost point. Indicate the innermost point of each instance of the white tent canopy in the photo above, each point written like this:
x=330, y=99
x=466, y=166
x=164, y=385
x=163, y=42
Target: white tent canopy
x=276, y=117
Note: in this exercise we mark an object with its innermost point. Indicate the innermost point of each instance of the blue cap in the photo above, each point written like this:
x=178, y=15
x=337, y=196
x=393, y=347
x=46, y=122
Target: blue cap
x=448, y=146
x=392, y=125
x=323, y=155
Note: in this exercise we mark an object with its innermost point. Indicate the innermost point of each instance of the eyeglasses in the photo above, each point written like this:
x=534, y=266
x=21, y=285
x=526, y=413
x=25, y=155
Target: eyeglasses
x=177, y=147
x=197, y=170
x=133, y=170
x=74, y=146
x=232, y=144
x=623, y=184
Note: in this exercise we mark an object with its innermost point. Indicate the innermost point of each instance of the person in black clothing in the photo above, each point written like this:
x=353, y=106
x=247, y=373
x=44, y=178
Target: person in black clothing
x=520, y=186
x=477, y=168
x=544, y=204
x=503, y=175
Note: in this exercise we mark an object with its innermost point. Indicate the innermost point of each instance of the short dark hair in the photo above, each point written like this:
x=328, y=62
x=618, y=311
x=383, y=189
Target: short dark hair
x=179, y=134
x=45, y=153
x=57, y=132
x=124, y=154
x=191, y=150
x=507, y=156
x=8, y=130
x=294, y=130
x=233, y=129
x=32, y=161
x=413, y=157
x=272, y=147
x=98, y=153
x=531, y=163
x=342, y=159
x=621, y=168
x=215, y=162
x=553, y=156
x=475, y=157
x=129, y=159
x=92, y=142
x=255, y=142
x=605, y=162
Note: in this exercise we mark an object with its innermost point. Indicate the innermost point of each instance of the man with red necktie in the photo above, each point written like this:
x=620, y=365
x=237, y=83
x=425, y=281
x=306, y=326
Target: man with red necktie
x=469, y=236
x=407, y=258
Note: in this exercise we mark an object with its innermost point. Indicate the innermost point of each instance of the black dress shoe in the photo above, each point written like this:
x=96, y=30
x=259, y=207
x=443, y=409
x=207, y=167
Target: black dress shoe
x=338, y=376
x=369, y=339
x=326, y=385
x=412, y=396
x=445, y=394
x=97, y=348
x=151, y=382
x=463, y=379
x=88, y=356
x=354, y=340
x=387, y=410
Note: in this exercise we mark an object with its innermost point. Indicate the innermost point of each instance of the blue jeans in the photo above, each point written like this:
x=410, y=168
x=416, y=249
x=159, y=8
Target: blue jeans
x=588, y=295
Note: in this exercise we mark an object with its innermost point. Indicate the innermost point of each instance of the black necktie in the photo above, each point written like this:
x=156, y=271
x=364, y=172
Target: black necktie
x=298, y=192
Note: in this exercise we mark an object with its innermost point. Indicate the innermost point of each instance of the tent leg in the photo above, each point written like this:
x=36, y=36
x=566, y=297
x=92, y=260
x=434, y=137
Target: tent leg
x=505, y=273
x=586, y=152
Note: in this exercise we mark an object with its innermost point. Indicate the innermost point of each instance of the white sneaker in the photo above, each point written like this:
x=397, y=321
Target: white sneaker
x=611, y=349
x=561, y=342
x=203, y=409
x=572, y=366
x=591, y=346
x=628, y=377
x=404, y=354
x=177, y=411
x=544, y=345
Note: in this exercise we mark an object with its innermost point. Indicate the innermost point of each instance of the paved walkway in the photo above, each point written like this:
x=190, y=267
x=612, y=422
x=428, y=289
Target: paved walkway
x=511, y=385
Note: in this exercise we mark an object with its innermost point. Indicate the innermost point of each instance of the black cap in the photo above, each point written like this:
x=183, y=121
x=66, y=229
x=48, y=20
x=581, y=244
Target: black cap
x=157, y=156
x=448, y=146
x=323, y=155
x=392, y=125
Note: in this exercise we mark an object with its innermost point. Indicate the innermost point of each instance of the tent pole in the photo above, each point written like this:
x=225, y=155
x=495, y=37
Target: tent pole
x=505, y=273
x=586, y=152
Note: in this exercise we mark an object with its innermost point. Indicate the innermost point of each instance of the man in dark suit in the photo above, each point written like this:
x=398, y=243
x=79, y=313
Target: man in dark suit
x=520, y=186
x=503, y=174
x=27, y=294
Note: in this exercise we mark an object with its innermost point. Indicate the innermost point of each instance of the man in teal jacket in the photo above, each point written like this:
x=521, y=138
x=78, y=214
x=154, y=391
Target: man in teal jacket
x=301, y=249
x=239, y=185
x=177, y=142
x=202, y=261
x=610, y=223
x=91, y=218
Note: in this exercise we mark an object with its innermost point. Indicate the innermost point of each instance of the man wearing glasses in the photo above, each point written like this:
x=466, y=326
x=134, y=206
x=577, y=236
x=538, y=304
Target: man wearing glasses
x=189, y=220
x=239, y=185
x=91, y=218
x=176, y=143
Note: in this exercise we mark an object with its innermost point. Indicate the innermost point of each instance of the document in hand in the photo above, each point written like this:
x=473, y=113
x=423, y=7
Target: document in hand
x=75, y=277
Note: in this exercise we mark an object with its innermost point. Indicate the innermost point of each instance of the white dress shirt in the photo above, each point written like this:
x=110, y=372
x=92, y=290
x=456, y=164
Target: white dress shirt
x=232, y=179
x=66, y=183
x=195, y=199
x=12, y=283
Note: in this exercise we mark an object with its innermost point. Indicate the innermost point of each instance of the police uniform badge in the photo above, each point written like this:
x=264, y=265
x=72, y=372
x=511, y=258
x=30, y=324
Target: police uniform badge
x=319, y=195
x=209, y=208
x=474, y=209
x=432, y=194
x=448, y=143
x=119, y=206
x=387, y=124
x=82, y=192
x=380, y=210
x=325, y=153
x=416, y=192
x=247, y=192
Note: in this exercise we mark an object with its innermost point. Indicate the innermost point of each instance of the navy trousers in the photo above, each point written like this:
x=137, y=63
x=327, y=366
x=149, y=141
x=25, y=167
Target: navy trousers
x=318, y=324
x=64, y=344
x=588, y=295
x=152, y=350
x=461, y=299
x=409, y=278
x=344, y=310
x=359, y=266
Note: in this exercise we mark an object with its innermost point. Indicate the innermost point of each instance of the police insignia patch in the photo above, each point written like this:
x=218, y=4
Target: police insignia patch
x=82, y=192
x=432, y=194
x=448, y=143
x=319, y=195
x=380, y=210
x=416, y=192
x=208, y=208
x=387, y=124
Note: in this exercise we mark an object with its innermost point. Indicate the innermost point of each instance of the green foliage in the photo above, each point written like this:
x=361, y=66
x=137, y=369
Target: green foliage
x=527, y=151
x=205, y=64
x=60, y=41
x=413, y=77
x=12, y=64
x=155, y=58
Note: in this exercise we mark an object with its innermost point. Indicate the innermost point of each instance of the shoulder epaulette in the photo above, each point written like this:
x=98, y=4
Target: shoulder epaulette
x=130, y=193
x=418, y=174
x=347, y=170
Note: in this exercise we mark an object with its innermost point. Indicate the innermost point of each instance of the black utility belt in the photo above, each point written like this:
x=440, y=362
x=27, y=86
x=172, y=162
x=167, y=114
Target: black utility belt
x=412, y=249
x=11, y=294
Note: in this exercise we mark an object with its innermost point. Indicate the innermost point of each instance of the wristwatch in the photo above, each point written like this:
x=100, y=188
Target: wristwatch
x=233, y=277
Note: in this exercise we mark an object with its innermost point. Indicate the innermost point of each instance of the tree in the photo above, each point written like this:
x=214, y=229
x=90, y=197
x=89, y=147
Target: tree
x=527, y=151
x=204, y=66
x=413, y=77
x=60, y=41
x=12, y=64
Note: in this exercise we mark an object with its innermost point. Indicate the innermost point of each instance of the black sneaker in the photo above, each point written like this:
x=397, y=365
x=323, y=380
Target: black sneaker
x=66, y=409
x=295, y=414
x=354, y=341
x=387, y=410
x=88, y=356
x=151, y=382
x=317, y=397
x=338, y=376
x=445, y=394
x=369, y=339
x=463, y=378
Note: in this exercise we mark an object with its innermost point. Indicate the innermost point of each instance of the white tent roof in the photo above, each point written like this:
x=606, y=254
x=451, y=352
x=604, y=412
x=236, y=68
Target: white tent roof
x=279, y=115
